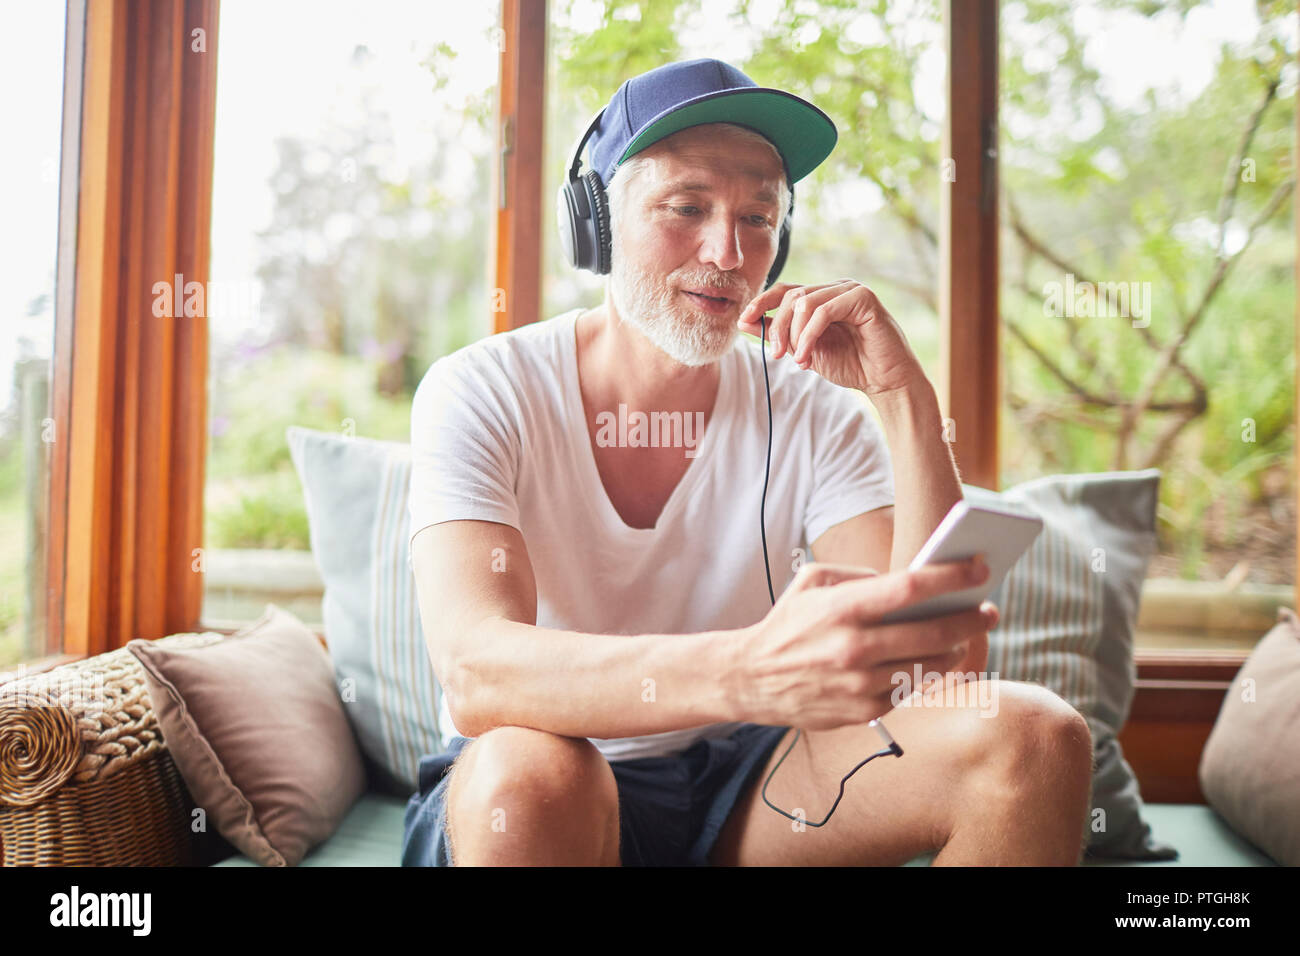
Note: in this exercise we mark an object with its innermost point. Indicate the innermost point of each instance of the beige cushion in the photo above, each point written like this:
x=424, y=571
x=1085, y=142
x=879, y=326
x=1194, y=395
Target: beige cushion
x=258, y=733
x=1250, y=768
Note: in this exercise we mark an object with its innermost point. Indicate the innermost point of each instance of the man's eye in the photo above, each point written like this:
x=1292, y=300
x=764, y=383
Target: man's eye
x=757, y=219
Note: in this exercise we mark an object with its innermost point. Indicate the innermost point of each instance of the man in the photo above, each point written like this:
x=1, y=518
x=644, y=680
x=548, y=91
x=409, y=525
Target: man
x=617, y=685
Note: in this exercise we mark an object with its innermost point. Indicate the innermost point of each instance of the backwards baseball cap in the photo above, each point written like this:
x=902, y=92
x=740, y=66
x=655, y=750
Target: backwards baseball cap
x=670, y=98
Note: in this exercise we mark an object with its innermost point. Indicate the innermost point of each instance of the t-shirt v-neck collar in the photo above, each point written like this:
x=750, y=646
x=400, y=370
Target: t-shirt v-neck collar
x=584, y=455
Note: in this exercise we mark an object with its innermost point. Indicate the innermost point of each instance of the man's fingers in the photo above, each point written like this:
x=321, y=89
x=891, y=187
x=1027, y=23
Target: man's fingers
x=994, y=615
x=806, y=338
x=764, y=301
x=870, y=600
x=935, y=664
x=781, y=317
x=900, y=644
x=805, y=330
x=940, y=666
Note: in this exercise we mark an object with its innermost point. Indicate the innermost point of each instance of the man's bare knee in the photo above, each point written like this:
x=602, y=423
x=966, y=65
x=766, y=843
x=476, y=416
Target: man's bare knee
x=1038, y=737
x=545, y=783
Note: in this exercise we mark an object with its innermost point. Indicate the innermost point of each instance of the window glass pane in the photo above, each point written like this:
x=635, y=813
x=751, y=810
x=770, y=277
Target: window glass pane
x=1148, y=284
x=349, y=243
x=31, y=60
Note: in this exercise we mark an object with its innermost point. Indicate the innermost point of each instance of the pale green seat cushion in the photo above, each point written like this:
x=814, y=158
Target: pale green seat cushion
x=1201, y=835
x=371, y=835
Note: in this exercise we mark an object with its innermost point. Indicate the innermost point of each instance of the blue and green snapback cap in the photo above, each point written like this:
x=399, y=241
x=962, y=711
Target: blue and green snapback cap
x=672, y=97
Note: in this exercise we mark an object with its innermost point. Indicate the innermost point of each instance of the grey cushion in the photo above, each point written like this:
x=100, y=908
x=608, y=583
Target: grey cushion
x=1068, y=612
x=357, y=491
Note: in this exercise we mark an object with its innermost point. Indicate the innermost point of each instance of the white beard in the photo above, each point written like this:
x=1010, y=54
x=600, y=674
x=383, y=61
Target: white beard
x=660, y=311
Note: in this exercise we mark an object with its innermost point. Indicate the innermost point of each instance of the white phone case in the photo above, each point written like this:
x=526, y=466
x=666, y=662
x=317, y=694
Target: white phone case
x=1002, y=534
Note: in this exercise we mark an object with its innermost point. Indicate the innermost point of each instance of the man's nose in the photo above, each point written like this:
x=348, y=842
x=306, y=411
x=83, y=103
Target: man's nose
x=721, y=244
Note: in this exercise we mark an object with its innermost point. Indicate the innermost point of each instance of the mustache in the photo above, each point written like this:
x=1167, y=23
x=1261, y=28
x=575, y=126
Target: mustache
x=716, y=280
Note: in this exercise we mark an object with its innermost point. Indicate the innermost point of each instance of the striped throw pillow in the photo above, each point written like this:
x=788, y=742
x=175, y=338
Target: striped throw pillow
x=1068, y=612
x=356, y=492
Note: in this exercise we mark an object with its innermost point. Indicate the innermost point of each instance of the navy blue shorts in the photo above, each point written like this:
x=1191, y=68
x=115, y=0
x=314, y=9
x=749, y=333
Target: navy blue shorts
x=671, y=809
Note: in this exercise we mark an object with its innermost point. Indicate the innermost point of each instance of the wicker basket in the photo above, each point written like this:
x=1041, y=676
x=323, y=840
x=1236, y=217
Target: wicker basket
x=85, y=776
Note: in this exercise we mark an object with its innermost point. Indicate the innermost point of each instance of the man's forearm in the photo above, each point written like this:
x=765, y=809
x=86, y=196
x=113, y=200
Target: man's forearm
x=590, y=685
x=926, y=484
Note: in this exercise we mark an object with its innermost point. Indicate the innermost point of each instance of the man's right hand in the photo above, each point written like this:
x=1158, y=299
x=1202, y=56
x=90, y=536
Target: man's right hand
x=821, y=660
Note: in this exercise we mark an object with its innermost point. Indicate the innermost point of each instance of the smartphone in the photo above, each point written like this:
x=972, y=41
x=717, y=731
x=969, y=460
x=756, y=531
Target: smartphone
x=1002, y=534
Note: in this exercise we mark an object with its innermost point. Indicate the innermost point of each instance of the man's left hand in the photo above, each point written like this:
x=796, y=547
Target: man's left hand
x=838, y=329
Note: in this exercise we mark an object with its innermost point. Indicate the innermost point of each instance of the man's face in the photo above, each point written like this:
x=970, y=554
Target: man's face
x=702, y=217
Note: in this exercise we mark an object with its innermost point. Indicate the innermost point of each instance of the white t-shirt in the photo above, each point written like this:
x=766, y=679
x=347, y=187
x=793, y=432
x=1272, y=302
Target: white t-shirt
x=499, y=433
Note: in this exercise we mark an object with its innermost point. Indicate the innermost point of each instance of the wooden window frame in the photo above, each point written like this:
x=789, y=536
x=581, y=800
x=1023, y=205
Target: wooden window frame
x=129, y=389
x=969, y=329
x=516, y=243
x=69, y=158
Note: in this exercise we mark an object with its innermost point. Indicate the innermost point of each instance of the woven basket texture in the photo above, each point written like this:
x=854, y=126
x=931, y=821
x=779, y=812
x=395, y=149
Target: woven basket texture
x=85, y=776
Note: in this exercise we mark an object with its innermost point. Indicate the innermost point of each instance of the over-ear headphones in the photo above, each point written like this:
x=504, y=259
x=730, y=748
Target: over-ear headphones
x=582, y=209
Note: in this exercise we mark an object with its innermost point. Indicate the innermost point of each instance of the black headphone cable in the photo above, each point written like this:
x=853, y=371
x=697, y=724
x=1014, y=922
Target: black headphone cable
x=762, y=524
